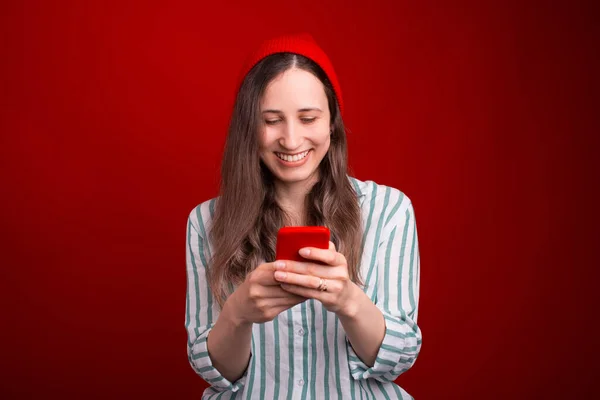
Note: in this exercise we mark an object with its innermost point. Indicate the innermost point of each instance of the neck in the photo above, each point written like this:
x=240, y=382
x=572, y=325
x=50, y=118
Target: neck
x=292, y=198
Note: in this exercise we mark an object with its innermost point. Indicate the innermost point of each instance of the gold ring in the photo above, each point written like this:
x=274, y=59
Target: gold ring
x=322, y=285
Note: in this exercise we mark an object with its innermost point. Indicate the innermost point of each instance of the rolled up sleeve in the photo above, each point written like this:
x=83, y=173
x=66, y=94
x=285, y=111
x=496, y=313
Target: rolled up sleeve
x=397, y=297
x=201, y=309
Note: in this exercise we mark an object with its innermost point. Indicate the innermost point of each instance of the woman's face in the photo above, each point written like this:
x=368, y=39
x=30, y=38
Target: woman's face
x=295, y=131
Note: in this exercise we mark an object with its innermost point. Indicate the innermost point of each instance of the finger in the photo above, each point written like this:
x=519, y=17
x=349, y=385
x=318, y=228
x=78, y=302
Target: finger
x=277, y=293
x=309, y=268
x=329, y=256
x=263, y=275
x=332, y=246
x=306, y=292
x=269, y=293
x=308, y=281
x=290, y=300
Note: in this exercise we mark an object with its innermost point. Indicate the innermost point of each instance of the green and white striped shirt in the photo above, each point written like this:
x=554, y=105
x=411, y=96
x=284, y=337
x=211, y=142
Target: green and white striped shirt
x=304, y=352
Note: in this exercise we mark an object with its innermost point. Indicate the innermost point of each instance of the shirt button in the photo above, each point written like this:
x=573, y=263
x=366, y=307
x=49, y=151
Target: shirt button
x=300, y=382
x=300, y=332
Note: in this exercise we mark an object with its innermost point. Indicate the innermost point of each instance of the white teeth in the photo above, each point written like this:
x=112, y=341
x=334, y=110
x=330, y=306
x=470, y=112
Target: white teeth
x=296, y=157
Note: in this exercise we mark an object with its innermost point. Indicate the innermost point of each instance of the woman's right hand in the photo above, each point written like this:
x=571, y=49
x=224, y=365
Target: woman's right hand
x=260, y=298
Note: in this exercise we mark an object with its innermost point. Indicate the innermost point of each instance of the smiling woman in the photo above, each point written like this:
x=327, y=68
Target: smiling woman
x=342, y=324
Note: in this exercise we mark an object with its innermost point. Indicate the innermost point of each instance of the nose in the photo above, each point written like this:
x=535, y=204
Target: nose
x=291, y=136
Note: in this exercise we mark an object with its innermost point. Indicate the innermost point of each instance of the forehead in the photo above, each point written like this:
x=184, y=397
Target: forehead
x=294, y=88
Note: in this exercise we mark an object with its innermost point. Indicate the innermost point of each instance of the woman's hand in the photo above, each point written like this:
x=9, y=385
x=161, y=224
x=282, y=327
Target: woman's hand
x=260, y=298
x=305, y=278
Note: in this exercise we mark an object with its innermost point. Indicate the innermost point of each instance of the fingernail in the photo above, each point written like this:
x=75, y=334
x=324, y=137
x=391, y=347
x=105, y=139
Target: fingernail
x=279, y=265
x=280, y=275
x=304, y=252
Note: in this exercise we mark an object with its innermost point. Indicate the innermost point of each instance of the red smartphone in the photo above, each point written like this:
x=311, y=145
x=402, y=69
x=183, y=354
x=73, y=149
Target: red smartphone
x=290, y=239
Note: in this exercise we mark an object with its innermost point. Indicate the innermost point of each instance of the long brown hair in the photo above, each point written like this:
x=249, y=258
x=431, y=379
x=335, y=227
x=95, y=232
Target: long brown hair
x=247, y=215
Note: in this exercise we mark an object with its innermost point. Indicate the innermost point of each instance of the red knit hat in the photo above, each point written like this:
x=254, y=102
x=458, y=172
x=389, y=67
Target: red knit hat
x=302, y=44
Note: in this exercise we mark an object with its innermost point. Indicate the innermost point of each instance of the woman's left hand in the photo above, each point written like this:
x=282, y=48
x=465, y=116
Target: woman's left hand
x=304, y=278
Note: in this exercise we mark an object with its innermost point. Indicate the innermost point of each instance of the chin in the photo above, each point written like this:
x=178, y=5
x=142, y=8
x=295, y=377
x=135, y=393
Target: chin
x=295, y=176
x=292, y=178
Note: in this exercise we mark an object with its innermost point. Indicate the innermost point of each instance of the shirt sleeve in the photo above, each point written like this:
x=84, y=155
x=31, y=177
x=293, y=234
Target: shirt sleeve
x=397, y=289
x=201, y=309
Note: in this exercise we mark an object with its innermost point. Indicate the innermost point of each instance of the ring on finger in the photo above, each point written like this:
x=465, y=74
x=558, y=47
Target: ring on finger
x=322, y=285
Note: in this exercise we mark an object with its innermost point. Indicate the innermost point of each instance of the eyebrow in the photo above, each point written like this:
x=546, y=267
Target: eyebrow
x=300, y=110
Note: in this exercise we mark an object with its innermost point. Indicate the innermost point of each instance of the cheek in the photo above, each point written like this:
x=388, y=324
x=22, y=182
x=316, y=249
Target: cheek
x=322, y=138
x=264, y=139
x=320, y=134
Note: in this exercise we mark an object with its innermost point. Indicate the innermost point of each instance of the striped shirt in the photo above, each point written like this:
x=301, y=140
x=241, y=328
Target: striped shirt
x=304, y=352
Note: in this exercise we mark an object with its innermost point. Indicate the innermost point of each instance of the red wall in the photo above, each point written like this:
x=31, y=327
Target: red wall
x=113, y=117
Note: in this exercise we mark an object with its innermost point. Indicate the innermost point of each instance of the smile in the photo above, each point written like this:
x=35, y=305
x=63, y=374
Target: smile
x=292, y=157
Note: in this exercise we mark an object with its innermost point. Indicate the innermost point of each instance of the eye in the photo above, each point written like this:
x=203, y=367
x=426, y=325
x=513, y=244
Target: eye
x=308, y=120
x=272, y=121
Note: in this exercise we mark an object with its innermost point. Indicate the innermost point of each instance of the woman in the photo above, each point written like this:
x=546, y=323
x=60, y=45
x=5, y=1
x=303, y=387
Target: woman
x=343, y=323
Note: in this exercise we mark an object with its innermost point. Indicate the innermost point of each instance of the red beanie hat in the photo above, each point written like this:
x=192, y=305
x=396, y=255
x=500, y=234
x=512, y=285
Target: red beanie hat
x=302, y=44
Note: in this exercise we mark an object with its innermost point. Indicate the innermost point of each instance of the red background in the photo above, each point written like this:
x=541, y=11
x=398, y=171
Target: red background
x=113, y=118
